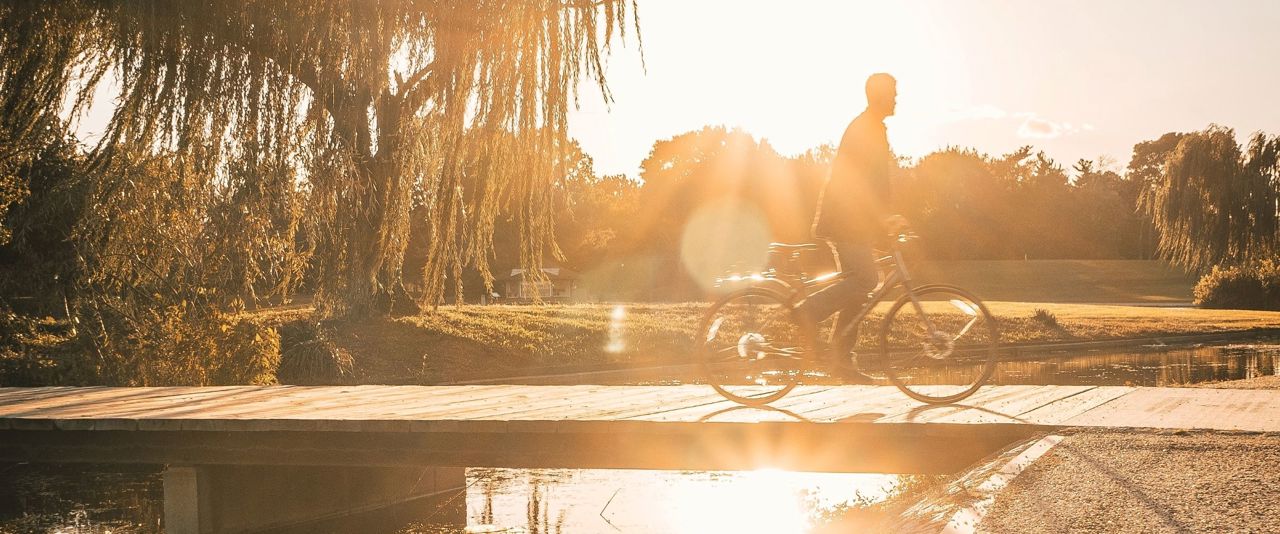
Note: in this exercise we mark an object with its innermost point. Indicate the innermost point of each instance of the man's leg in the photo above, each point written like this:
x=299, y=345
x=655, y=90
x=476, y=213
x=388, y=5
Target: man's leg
x=859, y=264
x=855, y=261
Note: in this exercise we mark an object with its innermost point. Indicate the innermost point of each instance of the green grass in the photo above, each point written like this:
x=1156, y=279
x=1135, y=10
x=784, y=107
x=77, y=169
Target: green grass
x=1080, y=281
x=488, y=341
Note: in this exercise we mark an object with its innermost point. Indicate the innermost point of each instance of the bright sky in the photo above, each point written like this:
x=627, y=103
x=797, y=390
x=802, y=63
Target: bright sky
x=1079, y=79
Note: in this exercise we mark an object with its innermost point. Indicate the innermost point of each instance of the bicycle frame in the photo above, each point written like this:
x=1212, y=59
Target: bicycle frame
x=902, y=347
x=897, y=276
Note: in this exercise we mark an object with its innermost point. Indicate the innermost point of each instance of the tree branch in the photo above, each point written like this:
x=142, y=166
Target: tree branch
x=416, y=90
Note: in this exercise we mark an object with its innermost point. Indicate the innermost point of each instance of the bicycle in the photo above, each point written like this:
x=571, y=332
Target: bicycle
x=937, y=343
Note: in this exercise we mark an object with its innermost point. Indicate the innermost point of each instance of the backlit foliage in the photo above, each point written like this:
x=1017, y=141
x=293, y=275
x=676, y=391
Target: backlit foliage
x=259, y=109
x=1214, y=203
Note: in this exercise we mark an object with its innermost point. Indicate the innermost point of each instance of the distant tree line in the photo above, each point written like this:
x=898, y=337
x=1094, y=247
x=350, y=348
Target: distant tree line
x=965, y=204
x=1196, y=199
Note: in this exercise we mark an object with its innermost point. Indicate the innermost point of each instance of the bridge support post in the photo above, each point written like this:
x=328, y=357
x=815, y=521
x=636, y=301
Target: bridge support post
x=208, y=499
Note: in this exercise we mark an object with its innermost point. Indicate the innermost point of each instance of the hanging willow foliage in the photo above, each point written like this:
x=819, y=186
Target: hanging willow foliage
x=1214, y=204
x=329, y=119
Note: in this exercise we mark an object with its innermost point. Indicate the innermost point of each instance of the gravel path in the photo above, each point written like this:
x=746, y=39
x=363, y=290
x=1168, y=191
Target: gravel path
x=1101, y=481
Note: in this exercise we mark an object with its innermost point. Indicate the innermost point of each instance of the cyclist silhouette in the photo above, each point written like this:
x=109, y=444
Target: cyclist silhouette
x=853, y=211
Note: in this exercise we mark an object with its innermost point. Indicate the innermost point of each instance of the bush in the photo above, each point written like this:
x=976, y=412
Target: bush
x=1046, y=318
x=251, y=353
x=298, y=331
x=316, y=362
x=29, y=349
x=171, y=346
x=1251, y=287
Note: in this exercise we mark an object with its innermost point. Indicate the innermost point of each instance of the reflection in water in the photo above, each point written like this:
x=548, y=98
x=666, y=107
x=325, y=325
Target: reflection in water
x=1165, y=368
x=1143, y=368
x=607, y=500
x=39, y=498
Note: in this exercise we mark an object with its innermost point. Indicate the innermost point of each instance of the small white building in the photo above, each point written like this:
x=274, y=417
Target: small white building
x=560, y=285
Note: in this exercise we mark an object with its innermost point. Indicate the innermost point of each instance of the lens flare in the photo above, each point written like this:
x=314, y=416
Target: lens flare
x=617, y=343
x=729, y=236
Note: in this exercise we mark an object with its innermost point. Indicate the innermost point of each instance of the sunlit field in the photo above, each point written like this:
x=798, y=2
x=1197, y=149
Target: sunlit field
x=457, y=343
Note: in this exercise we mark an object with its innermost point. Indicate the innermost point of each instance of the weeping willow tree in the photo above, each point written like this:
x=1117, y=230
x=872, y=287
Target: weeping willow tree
x=325, y=119
x=1214, y=203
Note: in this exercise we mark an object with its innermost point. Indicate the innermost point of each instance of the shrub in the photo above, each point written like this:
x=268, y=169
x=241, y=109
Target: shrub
x=1249, y=287
x=315, y=363
x=250, y=354
x=298, y=331
x=1045, y=318
x=171, y=346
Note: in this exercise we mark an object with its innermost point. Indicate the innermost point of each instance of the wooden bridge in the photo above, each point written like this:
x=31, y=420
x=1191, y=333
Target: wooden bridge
x=239, y=435
x=677, y=427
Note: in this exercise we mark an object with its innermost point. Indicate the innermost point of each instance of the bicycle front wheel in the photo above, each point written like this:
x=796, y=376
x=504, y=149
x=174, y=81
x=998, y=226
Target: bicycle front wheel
x=751, y=348
x=941, y=347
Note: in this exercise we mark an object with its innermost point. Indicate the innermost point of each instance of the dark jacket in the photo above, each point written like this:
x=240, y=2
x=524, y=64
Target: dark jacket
x=857, y=191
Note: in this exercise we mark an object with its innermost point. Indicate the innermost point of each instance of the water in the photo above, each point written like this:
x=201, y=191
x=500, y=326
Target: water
x=123, y=499
x=1149, y=368
x=80, y=499
x=607, y=500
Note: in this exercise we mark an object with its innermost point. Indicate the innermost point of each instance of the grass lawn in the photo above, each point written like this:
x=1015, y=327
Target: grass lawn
x=1083, y=300
x=1086, y=297
x=488, y=341
x=1091, y=281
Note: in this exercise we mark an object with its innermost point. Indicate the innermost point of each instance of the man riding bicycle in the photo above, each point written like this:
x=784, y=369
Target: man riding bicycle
x=853, y=211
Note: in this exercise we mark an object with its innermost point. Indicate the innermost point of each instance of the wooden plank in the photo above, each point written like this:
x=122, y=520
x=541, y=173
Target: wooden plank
x=1058, y=412
x=836, y=404
x=493, y=416
x=14, y=405
x=646, y=396
x=1004, y=404
x=593, y=408
x=862, y=406
x=561, y=402
x=129, y=414
x=785, y=409
x=306, y=410
x=608, y=415
x=1188, y=408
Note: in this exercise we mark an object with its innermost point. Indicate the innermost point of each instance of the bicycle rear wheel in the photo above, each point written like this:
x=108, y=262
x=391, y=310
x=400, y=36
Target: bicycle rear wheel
x=751, y=349
x=941, y=351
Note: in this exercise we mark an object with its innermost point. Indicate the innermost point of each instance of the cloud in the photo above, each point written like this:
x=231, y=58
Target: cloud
x=1035, y=127
x=1026, y=124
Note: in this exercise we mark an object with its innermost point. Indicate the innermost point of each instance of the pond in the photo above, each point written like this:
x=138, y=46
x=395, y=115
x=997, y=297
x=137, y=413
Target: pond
x=122, y=499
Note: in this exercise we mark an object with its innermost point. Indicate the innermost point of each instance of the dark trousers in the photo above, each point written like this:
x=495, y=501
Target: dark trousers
x=855, y=260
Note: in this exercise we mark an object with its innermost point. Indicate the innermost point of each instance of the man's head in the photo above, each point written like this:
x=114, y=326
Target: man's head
x=882, y=94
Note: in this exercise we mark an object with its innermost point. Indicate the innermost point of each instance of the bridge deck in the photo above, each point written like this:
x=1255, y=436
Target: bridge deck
x=606, y=426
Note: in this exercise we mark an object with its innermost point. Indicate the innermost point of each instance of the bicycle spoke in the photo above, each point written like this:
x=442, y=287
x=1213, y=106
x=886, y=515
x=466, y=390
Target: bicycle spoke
x=754, y=330
x=944, y=345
